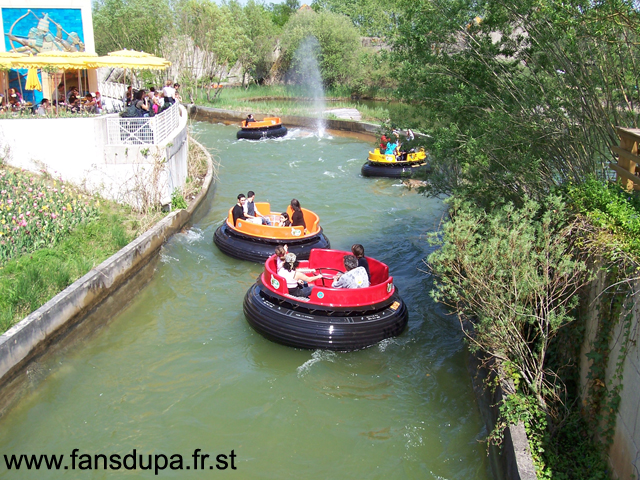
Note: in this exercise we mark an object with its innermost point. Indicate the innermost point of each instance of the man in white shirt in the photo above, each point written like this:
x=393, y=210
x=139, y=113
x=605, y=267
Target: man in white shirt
x=354, y=277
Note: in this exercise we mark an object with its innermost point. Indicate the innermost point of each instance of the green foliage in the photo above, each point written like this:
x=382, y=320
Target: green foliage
x=282, y=12
x=338, y=40
x=177, y=200
x=373, y=18
x=511, y=277
x=29, y=281
x=569, y=453
x=522, y=99
x=130, y=24
x=611, y=209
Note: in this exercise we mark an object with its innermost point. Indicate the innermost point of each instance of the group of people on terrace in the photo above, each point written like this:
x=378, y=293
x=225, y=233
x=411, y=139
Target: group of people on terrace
x=71, y=101
x=356, y=274
x=390, y=146
x=142, y=103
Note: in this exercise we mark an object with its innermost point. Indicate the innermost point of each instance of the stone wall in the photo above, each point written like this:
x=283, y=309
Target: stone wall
x=624, y=454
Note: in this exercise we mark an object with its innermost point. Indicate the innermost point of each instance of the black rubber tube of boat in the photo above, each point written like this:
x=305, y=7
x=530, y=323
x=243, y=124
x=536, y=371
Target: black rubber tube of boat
x=305, y=328
x=258, y=250
x=371, y=169
x=257, y=134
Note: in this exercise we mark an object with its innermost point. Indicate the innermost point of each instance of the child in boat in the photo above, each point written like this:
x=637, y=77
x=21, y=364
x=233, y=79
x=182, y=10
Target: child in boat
x=358, y=252
x=297, y=281
x=284, y=220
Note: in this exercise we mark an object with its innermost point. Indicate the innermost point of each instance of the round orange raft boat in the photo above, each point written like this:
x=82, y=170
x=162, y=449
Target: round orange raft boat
x=253, y=241
x=269, y=127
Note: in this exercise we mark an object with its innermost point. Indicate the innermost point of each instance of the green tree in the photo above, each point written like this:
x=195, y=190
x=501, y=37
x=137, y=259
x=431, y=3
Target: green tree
x=511, y=277
x=130, y=24
x=373, y=18
x=281, y=12
x=258, y=57
x=518, y=96
x=339, y=45
x=213, y=39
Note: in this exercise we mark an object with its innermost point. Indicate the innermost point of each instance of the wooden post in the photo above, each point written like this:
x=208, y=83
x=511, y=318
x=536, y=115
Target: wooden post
x=628, y=158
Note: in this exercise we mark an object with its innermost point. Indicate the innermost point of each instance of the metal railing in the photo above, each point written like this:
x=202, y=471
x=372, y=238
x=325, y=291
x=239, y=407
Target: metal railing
x=143, y=130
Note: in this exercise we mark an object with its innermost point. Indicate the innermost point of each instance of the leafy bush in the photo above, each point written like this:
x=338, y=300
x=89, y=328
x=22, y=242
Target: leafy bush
x=609, y=207
x=177, y=200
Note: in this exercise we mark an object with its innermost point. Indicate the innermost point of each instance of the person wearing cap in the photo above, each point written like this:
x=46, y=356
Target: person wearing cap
x=297, y=281
x=354, y=276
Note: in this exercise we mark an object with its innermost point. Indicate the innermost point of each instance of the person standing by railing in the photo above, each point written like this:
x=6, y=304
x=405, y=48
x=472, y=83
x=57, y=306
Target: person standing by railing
x=169, y=93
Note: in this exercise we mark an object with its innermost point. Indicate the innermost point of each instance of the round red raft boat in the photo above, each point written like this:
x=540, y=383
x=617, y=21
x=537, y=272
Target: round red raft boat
x=331, y=318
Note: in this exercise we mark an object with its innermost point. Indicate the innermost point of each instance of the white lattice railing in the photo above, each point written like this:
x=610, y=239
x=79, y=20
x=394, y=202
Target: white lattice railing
x=143, y=131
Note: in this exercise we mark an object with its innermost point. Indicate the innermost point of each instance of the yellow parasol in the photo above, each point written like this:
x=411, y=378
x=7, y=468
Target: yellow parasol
x=132, y=59
x=33, y=82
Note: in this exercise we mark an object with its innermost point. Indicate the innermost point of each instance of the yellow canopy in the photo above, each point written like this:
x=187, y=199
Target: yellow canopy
x=59, y=60
x=132, y=59
x=7, y=59
x=33, y=82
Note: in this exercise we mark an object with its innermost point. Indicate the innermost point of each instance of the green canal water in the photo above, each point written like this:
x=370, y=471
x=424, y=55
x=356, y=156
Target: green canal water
x=180, y=369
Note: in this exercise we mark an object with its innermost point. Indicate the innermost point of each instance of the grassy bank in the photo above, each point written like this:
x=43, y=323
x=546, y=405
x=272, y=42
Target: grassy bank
x=291, y=100
x=51, y=234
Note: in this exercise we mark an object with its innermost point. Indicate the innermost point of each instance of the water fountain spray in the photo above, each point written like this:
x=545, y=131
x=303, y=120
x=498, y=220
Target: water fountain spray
x=308, y=75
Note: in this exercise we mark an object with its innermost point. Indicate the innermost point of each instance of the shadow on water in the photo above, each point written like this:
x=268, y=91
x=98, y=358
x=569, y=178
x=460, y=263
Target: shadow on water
x=181, y=369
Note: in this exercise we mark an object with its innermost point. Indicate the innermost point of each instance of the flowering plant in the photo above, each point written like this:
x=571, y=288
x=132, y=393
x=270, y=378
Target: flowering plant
x=35, y=214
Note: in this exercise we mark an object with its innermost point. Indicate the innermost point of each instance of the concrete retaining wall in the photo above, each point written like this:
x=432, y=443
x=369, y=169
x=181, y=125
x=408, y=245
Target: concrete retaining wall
x=32, y=336
x=624, y=453
x=76, y=150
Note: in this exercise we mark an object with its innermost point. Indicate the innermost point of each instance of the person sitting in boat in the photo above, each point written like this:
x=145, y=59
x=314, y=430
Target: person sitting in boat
x=297, y=281
x=410, y=135
x=281, y=251
x=358, y=252
x=383, y=143
x=284, y=220
x=252, y=212
x=391, y=148
x=249, y=119
x=297, y=219
x=238, y=209
x=354, y=276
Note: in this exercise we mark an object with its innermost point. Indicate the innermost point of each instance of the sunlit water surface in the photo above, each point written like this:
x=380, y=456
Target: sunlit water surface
x=181, y=369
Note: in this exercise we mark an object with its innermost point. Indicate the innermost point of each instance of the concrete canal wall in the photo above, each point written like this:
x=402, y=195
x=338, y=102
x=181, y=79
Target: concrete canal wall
x=207, y=114
x=624, y=453
x=99, y=294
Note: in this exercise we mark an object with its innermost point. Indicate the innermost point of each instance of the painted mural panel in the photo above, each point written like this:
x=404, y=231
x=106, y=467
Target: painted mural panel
x=33, y=30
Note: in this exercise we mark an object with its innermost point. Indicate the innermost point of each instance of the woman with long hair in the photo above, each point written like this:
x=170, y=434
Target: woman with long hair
x=297, y=219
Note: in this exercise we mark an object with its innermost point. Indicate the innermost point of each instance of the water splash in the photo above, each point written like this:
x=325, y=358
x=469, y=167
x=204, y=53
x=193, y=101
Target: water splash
x=316, y=356
x=307, y=75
